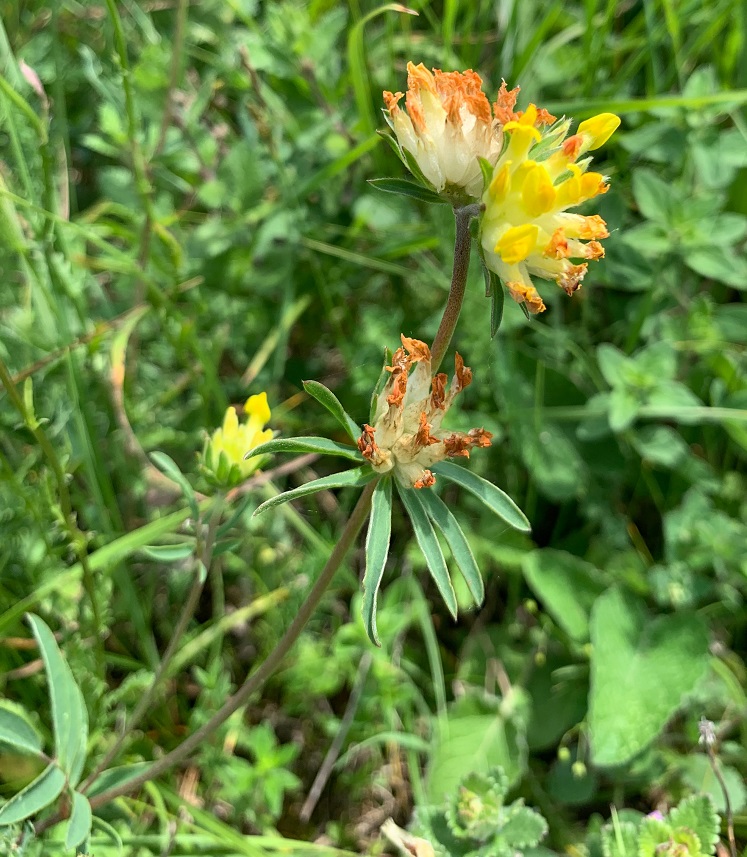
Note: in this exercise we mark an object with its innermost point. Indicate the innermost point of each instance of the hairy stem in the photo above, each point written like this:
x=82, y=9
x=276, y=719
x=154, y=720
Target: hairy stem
x=266, y=669
x=453, y=307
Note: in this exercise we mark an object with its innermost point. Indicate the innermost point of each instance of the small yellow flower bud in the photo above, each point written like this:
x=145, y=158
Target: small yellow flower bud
x=223, y=459
x=599, y=128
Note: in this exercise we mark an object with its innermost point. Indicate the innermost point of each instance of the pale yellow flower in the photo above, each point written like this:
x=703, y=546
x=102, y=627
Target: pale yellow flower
x=448, y=126
x=223, y=456
x=407, y=436
x=525, y=229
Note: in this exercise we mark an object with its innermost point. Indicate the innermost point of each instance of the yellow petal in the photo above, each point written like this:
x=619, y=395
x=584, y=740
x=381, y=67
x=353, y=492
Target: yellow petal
x=230, y=423
x=499, y=184
x=257, y=409
x=538, y=193
x=517, y=243
x=600, y=128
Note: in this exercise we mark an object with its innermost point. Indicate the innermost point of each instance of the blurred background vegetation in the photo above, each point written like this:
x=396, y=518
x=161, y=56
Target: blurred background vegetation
x=185, y=221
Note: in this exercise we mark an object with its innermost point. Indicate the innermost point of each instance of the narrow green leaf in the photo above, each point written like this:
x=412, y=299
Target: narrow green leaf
x=69, y=715
x=170, y=469
x=17, y=732
x=114, y=777
x=320, y=445
x=81, y=818
x=327, y=398
x=168, y=553
x=354, y=478
x=403, y=187
x=494, y=290
x=428, y=542
x=496, y=500
x=377, y=551
x=37, y=795
x=441, y=516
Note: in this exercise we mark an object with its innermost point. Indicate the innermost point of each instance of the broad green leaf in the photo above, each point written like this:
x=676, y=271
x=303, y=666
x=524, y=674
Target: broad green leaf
x=169, y=468
x=327, y=398
x=320, y=445
x=113, y=777
x=17, y=732
x=612, y=363
x=698, y=774
x=69, y=715
x=496, y=500
x=37, y=795
x=377, y=551
x=641, y=672
x=697, y=813
x=81, y=818
x=354, y=478
x=624, y=408
x=660, y=445
x=652, y=195
x=408, y=188
x=428, y=542
x=472, y=737
x=441, y=516
x=719, y=263
x=567, y=587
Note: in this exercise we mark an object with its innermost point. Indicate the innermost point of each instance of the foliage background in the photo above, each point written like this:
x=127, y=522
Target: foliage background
x=186, y=221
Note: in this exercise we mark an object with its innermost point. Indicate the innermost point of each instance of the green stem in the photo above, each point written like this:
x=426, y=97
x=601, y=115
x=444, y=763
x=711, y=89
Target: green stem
x=462, y=244
x=203, y=560
x=267, y=668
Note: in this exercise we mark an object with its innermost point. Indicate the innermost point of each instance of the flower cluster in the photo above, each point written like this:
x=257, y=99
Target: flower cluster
x=406, y=436
x=448, y=126
x=223, y=456
x=526, y=229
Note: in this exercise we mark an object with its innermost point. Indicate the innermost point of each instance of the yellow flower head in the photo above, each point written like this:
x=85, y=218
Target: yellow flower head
x=448, y=126
x=223, y=455
x=525, y=229
x=407, y=436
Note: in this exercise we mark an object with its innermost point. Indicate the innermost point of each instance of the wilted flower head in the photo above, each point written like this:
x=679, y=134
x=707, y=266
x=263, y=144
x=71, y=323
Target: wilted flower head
x=407, y=436
x=525, y=228
x=447, y=127
x=223, y=456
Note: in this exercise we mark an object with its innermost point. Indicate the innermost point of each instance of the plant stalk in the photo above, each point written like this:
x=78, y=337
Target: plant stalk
x=462, y=244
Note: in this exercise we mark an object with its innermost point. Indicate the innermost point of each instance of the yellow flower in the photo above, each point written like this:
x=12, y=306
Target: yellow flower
x=525, y=229
x=448, y=126
x=407, y=436
x=223, y=456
